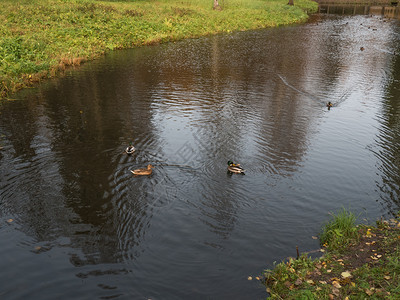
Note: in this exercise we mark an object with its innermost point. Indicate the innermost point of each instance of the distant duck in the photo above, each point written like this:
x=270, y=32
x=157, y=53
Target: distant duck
x=362, y=48
x=329, y=104
x=235, y=168
x=130, y=149
x=143, y=171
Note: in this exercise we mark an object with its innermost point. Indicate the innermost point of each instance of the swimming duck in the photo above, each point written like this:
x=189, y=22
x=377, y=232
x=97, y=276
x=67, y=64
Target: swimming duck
x=329, y=104
x=130, y=149
x=143, y=171
x=235, y=168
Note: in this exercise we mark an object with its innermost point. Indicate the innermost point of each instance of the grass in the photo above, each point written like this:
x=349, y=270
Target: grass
x=340, y=231
x=360, y=262
x=40, y=38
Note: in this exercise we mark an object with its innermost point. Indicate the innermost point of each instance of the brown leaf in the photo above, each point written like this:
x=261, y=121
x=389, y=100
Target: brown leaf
x=298, y=281
x=336, y=292
x=369, y=292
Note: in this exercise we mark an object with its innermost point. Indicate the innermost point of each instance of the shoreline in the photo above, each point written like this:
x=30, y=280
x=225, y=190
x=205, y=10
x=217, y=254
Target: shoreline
x=40, y=39
x=358, y=262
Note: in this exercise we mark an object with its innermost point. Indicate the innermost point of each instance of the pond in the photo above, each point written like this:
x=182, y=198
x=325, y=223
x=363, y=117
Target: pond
x=75, y=222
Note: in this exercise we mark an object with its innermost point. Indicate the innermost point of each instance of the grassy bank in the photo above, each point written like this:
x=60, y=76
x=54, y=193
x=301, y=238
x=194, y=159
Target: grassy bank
x=360, y=262
x=40, y=38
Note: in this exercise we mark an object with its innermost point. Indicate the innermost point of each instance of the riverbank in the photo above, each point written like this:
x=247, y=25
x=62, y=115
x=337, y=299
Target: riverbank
x=40, y=38
x=359, y=262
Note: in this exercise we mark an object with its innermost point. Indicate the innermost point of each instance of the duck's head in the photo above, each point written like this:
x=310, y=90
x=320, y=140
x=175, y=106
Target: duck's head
x=230, y=163
x=150, y=167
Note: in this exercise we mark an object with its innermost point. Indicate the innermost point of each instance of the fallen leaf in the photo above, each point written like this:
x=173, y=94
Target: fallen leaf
x=336, y=284
x=328, y=271
x=258, y=278
x=314, y=238
x=322, y=282
x=298, y=281
x=353, y=284
x=379, y=256
x=369, y=292
x=346, y=274
x=268, y=290
x=387, y=277
x=331, y=296
x=322, y=250
x=336, y=292
x=249, y=278
x=10, y=220
x=37, y=248
x=310, y=281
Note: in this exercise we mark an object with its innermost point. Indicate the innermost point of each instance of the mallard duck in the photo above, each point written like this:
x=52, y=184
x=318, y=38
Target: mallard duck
x=130, y=149
x=143, y=171
x=235, y=168
x=329, y=104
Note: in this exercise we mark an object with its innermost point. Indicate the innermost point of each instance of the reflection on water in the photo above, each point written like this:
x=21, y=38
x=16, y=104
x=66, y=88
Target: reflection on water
x=388, y=139
x=391, y=12
x=81, y=224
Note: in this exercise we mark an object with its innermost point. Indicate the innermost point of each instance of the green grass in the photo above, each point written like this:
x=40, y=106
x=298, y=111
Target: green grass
x=339, y=231
x=39, y=38
x=360, y=262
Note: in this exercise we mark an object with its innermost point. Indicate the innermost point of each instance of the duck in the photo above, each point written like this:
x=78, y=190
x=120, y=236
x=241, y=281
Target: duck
x=329, y=104
x=143, y=171
x=130, y=149
x=235, y=168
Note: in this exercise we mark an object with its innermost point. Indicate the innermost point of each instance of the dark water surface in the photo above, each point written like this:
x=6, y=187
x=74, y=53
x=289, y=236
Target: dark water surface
x=84, y=228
